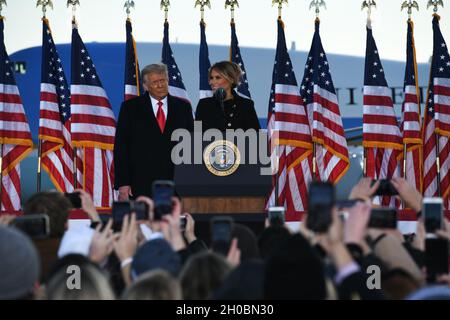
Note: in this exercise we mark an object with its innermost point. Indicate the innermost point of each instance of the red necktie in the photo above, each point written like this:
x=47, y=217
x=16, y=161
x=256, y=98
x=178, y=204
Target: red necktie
x=160, y=117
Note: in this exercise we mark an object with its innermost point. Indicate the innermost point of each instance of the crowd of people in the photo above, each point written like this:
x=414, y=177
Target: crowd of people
x=159, y=260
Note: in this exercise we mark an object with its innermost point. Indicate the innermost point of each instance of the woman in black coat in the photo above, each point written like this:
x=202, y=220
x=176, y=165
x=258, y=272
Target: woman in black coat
x=237, y=112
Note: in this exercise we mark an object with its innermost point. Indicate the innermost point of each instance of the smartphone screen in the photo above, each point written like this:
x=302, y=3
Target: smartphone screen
x=163, y=191
x=432, y=214
x=221, y=229
x=122, y=208
x=383, y=218
x=436, y=257
x=119, y=210
x=34, y=225
x=321, y=200
x=183, y=221
x=276, y=216
x=140, y=209
x=342, y=204
x=74, y=199
x=385, y=188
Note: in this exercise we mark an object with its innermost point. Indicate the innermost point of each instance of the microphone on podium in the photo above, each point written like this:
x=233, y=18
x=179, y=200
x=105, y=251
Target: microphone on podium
x=220, y=95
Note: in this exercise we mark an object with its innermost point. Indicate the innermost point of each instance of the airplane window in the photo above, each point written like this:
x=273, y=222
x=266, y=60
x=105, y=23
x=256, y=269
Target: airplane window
x=20, y=67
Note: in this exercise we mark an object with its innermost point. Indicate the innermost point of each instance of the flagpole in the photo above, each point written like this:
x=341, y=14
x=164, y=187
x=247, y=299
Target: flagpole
x=438, y=167
x=436, y=135
x=436, y=150
x=404, y=170
x=409, y=4
x=130, y=4
x=44, y=4
x=277, y=146
x=367, y=4
x=74, y=3
x=231, y=4
x=315, y=4
x=364, y=162
x=38, y=180
x=404, y=160
x=435, y=4
x=277, y=169
x=314, y=168
x=1, y=174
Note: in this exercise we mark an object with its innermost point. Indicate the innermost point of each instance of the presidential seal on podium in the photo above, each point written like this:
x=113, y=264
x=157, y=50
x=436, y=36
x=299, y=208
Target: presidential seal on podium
x=222, y=158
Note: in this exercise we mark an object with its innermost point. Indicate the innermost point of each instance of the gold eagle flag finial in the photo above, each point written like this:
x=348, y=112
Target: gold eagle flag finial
x=44, y=4
x=368, y=4
x=74, y=4
x=317, y=4
x=202, y=4
x=231, y=4
x=410, y=4
x=165, y=4
x=2, y=3
x=280, y=6
x=435, y=4
x=127, y=6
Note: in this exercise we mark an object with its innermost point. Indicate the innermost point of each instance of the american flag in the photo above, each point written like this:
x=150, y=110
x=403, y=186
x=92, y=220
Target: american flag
x=289, y=134
x=93, y=125
x=133, y=86
x=430, y=186
x=204, y=64
x=15, y=135
x=410, y=125
x=381, y=135
x=236, y=57
x=54, y=116
x=319, y=97
x=439, y=102
x=176, y=85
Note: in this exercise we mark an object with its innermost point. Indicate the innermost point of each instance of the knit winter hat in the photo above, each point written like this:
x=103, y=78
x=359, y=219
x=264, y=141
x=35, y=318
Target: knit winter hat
x=155, y=254
x=20, y=266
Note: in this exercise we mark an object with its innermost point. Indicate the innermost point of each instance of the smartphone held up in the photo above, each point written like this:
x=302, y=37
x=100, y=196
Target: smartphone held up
x=385, y=188
x=276, y=216
x=74, y=199
x=321, y=201
x=436, y=258
x=183, y=223
x=162, y=193
x=122, y=208
x=221, y=227
x=36, y=226
x=432, y=213
x=383, y=218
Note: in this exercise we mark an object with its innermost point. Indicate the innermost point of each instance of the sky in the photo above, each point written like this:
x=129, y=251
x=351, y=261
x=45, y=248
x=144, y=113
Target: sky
x=342, y=24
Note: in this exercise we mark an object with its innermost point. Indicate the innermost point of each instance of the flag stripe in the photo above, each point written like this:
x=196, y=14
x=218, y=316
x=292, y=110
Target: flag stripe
x=15, y=135
x=93, y=123
x=437, y=119
x=382, y=138
x=176, y=85
x=289, y=135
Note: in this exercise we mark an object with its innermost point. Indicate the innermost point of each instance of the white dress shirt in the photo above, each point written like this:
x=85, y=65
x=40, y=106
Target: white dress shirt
x=155, y=106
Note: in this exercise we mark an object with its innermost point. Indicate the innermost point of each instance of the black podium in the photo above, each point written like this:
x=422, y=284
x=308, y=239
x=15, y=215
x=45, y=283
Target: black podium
x=230, y=178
